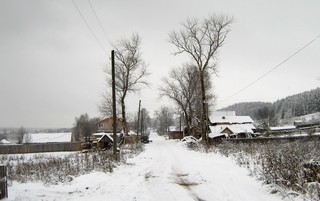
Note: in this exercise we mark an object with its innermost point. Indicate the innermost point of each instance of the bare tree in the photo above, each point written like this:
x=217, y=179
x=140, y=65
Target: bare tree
x=183, y=87
x=131, y=71
x=165, y=119
x=20, y=135
x=105, y=106
x=4, y=135
x=27, y=138
x=84, y=127
x=201, y=40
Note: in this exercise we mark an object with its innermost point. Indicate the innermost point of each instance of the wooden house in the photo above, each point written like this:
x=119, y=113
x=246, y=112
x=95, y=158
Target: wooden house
x=175, y=133
x=105, y=125
x=228, y=125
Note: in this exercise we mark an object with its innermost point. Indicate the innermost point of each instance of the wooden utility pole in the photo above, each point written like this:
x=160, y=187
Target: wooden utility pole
x=142, y=127
x=180, y=123
x=114, y=112
x=138, y=117
x=3, y=182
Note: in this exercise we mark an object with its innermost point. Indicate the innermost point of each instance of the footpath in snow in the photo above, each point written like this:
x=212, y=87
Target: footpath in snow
x=165, y=171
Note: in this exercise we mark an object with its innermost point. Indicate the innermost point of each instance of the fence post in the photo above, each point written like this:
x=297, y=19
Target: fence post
x=3, y=182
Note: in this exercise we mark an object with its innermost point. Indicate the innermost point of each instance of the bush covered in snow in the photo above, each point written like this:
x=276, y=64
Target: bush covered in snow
x=53, y=169
x=291, y=168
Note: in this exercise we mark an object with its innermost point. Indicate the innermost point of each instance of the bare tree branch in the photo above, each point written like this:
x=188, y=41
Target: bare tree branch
x=201, y=40
x=131, y=70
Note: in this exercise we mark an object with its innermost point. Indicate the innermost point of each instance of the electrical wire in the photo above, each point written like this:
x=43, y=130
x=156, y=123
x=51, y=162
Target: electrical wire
x=268, y=72
x=85, y=21
x=101, y=26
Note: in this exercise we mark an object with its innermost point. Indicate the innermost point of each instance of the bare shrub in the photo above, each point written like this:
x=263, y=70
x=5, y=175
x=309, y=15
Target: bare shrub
x=52, y=169
x=291, y=167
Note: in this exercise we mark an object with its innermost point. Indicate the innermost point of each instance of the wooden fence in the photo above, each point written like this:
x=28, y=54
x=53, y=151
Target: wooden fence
x=3, y=182
x=40, y=147
x=270, y=139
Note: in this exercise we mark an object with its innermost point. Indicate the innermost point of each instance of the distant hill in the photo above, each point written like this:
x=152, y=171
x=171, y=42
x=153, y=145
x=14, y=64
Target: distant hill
x=310, y=118
x=292, y=106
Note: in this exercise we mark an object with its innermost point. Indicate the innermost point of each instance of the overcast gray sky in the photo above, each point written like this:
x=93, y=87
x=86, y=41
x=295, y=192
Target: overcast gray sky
x=51, y=66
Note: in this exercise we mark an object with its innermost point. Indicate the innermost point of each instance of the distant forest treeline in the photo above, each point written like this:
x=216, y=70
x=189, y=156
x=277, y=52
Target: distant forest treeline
x=292, y=106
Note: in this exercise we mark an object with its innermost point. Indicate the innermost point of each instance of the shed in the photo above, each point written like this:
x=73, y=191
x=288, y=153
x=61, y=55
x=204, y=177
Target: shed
x=105, y=141
x=175, y=133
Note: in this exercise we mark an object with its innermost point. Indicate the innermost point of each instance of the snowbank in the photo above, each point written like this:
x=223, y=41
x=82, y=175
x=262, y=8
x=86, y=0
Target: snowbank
x=165, y=171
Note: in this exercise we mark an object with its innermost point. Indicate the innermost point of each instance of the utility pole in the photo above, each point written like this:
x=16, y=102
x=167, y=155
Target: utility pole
x=138, y=118
x=114, y=112
x=207, y=122
x=142, y=129
x=180, y=123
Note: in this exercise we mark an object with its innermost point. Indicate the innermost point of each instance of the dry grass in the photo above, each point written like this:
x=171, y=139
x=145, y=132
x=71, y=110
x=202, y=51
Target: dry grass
x=289, y=167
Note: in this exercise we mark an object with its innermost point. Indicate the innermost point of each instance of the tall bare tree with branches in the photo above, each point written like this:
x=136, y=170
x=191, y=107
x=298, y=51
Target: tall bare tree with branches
x=182, y=86
x=165, y=118
x=201, y=40
x=131, y=71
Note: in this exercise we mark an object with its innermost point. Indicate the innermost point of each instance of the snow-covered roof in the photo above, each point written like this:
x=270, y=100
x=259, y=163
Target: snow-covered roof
x=230, y=119
x=131, y=132
x=214, y=135
x=217, y=129
x=102, y=133
x=173, y=128
x=241, y=128
x=223, y=113
x=4, y=141
x=235, y=128
x=106, y=135
x=46, y=137
x=282, y=128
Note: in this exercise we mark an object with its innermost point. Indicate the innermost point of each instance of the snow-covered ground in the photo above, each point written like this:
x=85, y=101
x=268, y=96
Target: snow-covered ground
x=46, y=137
x=165, y=171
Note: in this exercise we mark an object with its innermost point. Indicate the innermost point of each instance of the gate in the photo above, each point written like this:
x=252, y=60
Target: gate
x=3, y=182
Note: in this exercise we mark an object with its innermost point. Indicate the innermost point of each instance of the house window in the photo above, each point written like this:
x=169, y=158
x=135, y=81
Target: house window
x=100, y=125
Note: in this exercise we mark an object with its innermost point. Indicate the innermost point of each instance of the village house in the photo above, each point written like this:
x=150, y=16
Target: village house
x=105, y=125
x=225, y=124
x=175, y=133
x=104, y=137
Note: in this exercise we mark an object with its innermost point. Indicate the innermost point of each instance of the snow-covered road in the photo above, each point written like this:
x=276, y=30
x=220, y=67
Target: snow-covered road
x=165, y=171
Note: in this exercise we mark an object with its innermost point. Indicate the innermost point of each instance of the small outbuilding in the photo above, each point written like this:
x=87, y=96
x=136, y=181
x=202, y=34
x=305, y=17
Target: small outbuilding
x=175, y=133
x=105, y=141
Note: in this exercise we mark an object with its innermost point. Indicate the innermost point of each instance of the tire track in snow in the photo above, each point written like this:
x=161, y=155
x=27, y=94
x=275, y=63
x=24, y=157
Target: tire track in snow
x=200, y=176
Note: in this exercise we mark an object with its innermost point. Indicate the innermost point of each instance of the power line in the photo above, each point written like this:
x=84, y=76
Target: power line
x=102, y=28
x=85, y=21
x=268, y=72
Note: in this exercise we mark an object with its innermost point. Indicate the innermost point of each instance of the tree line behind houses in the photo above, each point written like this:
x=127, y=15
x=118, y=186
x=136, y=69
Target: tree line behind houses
x=304, y=103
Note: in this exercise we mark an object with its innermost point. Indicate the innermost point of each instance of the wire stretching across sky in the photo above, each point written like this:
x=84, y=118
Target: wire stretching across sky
x=268, y=72
x=101, y=26
x=84, y=19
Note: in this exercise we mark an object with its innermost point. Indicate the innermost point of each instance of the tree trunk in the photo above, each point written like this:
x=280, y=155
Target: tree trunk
x=203, y=112
x=186, y=119
x=123, y=108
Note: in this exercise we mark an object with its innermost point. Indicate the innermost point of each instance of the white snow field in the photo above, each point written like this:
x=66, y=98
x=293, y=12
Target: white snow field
x=165, y=171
